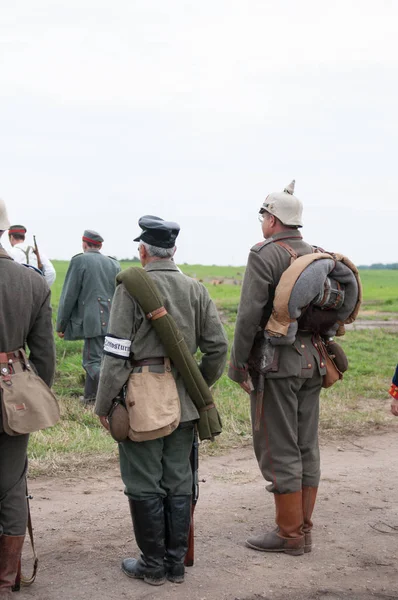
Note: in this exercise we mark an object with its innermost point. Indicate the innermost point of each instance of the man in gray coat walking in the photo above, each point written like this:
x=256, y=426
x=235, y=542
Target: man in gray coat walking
x=85, y=304
x=25, y=320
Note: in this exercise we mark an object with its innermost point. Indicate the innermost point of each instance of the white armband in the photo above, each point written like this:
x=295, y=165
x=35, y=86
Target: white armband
x=117, y=347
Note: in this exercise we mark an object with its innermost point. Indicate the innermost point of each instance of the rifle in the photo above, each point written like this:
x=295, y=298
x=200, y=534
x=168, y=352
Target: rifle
x=194, y=459
x=36, y=251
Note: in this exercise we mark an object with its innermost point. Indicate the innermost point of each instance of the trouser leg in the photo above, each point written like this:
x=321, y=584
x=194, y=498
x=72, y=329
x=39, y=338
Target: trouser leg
x=13, y=467
x=177, y=481
x=308, y=419
x=276, y=441
x=92, y=356
x=13, y=507
x=161, y=468
x=286, y=447
x=309, y=446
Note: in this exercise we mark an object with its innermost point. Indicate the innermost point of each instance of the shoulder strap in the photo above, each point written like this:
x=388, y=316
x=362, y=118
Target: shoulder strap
x=26, y=252
x=293, y=253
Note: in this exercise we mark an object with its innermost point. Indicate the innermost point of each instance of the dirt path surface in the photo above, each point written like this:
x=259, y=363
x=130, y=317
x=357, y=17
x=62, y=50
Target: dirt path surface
x=83, y=530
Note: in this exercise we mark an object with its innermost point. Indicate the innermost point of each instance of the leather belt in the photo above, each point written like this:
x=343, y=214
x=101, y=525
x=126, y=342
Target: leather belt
x=159, y=360
x=10, y=356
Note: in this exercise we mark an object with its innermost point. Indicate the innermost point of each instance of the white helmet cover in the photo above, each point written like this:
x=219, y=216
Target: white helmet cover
x=285, y=206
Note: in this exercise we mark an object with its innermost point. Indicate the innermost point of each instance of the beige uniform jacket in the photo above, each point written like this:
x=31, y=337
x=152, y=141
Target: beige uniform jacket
x=189, y=303
x=266, y=263
x=25, y=315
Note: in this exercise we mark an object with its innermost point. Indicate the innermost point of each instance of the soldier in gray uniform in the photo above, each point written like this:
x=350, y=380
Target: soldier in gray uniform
x=157, y=473
x=286, y=436
x=85, y=304
x=25, y=320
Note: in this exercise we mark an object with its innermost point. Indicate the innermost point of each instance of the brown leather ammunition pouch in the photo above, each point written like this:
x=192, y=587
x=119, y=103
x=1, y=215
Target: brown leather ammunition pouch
x=27, y=403
x=336, y=362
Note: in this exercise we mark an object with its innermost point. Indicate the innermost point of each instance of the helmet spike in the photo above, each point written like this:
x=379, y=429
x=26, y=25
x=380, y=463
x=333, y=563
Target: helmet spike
x=290, y=188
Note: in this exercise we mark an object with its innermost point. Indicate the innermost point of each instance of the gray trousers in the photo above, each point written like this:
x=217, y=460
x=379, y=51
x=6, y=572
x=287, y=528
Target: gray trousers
x=92, y=356
x=13, y=466
x=158, y=467
x=286, y=444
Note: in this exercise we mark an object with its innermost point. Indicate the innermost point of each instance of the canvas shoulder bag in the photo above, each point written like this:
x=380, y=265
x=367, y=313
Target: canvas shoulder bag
x=27, y=403
x=152, y=403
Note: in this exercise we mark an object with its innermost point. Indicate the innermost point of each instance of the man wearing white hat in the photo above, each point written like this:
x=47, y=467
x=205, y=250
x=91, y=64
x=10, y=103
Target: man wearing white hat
x=285, y=407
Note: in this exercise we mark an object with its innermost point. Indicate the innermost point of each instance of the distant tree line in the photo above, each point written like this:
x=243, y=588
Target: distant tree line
x=379, y=266
x=134, y=259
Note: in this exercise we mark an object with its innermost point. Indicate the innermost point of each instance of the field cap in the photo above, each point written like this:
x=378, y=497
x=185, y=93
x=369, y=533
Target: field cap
x=17, y=229
x=157, y=232
x=4, y=222
x=285, y=206
x=92, y=237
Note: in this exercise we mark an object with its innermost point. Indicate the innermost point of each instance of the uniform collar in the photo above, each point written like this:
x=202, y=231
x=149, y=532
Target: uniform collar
x=3, y=253
x=165, y=264
x=290, y=235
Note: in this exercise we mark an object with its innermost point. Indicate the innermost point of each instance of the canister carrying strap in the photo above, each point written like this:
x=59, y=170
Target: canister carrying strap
x=156, y=314
x=166, y=362
x=15, y=361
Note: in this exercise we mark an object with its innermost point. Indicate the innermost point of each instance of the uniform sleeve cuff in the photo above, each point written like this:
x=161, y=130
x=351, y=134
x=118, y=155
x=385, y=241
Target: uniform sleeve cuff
x=239, y=375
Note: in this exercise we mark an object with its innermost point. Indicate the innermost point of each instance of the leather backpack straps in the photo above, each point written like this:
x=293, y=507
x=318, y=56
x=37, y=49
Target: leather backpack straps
x=289, y=249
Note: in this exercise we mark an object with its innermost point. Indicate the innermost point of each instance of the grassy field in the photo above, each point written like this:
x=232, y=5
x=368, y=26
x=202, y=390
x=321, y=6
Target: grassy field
x=355, y=406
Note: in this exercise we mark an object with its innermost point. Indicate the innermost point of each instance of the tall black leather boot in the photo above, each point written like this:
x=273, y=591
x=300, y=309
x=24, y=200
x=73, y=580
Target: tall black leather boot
x=177, y=512
x=149, y=530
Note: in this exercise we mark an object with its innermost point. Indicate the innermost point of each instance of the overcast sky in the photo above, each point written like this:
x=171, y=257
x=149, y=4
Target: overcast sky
x=195, y=111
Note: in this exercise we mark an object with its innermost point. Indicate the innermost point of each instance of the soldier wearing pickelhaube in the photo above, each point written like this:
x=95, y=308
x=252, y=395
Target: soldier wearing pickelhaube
x=285, y=424
x=85, y=304
x=25, y=322
x=157, y=472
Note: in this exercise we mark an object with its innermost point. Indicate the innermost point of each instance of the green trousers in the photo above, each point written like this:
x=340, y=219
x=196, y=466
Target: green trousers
x=158, y=467
x=286, y=443
x=13, y=466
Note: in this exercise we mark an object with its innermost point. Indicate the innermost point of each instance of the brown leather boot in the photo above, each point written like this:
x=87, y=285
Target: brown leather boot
x=288, y=537
x=10, y=554
x=309, y=497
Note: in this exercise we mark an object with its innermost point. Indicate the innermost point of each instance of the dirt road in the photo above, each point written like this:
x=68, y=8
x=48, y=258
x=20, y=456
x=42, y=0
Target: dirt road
x=83, y=531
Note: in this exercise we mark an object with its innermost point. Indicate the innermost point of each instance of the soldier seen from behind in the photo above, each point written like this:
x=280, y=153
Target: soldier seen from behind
x=294, y=298
x=155, y=458
x=25, y=321
x=85, y=304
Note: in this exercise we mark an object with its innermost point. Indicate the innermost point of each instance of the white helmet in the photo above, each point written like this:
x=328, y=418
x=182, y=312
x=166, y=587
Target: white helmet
x=285, y=206
x=4, y=222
